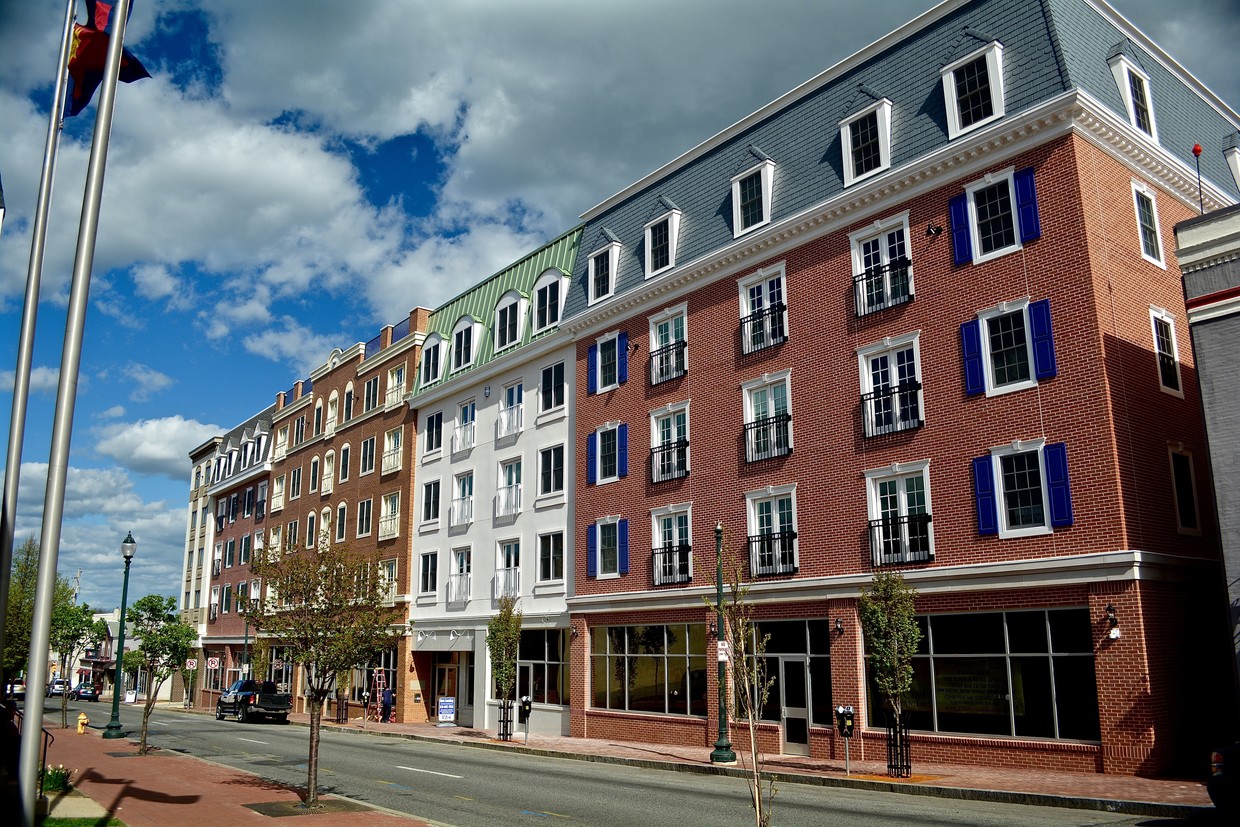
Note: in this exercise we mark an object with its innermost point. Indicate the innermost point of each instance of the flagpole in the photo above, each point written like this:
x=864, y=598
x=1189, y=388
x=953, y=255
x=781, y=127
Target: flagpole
x=25, y=347
x=62, y=425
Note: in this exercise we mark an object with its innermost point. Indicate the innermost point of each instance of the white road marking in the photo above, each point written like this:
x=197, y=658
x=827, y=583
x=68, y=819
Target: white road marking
x=430, y=772
x=252, y=741
x=160, y=723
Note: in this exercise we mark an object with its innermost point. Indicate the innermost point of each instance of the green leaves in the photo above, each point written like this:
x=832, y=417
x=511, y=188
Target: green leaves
x=889, y=623
x=503, y=643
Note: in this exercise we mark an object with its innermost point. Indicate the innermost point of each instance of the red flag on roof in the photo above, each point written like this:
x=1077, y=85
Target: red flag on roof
x=88, y=53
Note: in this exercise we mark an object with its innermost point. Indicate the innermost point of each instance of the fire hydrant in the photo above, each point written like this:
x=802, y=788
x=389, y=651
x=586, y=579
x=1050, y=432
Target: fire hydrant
x=83, y=722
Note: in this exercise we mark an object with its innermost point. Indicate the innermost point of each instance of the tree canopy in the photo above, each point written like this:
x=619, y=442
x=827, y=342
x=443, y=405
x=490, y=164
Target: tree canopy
x=889, y=623
x=20, y=616
x=165, y=643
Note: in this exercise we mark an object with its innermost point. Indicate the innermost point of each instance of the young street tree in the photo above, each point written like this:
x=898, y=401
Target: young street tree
x=166, y=642
x=73, y=631
x=330, y=610
x=889, y=623
x=20, y=616
x=503, y=644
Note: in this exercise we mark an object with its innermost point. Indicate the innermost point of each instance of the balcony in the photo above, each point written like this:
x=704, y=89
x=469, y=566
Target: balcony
x=329, y=427
x=510, y=422
x=389, y=526
x=768, y=438
x=277, y=502
x=901, y=539
x=462, y=512
x=281, y=450
x=891, y=409
x=463, y=438
x=667, y=362
x=508, y=582
x=389, y=592
x=391, y=461
x=394, y=397
x=458, y=588
x=878, y=288
x=670, y=461
x=508, y=501
x=216, y=567
x=329, y=484
x=772, y=553
x=213, y=612
x=672, y=564
x=766, y=328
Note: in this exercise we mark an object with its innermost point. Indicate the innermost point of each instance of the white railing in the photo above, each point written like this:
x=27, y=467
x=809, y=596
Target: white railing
x=508, y=501
x=277, y=502
x=510, y=422
x=508, y=582
x=462, y=512
x=463, y=438
x=391, y=460
x=458, y=588
x=394, y=396
x=328, y=485
x=389, y=526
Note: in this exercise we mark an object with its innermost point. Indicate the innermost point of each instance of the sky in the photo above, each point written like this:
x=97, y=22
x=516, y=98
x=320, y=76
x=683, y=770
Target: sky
x=295, y=175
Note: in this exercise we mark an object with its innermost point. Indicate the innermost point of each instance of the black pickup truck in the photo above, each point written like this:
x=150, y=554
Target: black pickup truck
x=249, y=699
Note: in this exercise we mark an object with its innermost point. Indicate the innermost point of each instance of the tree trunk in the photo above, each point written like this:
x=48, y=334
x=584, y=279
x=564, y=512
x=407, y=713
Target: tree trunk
x=143, y=749
x=312, y=766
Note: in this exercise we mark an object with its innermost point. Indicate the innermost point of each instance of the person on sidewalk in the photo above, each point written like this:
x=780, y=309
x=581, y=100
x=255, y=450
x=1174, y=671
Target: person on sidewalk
x=387, y=700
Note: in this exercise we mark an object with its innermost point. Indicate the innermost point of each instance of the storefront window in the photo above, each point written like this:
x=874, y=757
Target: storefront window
x=542, y=666
x=657, y=669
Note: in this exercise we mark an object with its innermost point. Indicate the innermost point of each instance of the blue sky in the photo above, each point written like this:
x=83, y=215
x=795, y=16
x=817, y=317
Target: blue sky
x=297, y=174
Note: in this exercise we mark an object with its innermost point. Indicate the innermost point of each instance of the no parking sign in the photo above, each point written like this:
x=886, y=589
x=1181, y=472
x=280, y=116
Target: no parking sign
x=213, y=663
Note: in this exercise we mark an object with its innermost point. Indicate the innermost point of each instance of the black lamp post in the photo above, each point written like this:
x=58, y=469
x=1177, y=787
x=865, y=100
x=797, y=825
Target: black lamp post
x=722, y=754
x=113, y=729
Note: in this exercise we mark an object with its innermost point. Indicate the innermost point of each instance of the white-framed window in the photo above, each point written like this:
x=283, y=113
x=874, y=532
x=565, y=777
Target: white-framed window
x=342, y=515
x=661, y=238
x=432, y=351
x=1009, y=347
x=551, y=557
x=465, y=436
x=428, y=572
x=551, y=470
x=668, y=344
x=370, y=394
x=464, y=336
x=891, y=393
x=607, y=453
x=763, y=308
x=768, y=416
x=277, y=493
x=548, y=291
x=992, y=216
x=463, y=500
x=508, y=493
x=751, y=197
x=364, y=514
x=433, y=434
x=459, y=575
x=551, y=387
x=294, y=484
x=299, y=430
x=395, y=386
x=333, y=412
x=1166, y=350
x=345, y=452
x=1021, y=477
x=1134, y=88
x=898, y=499
x=508, y=315
x=281, y=447
x=973, y=89
x=314, y=474
x=318, y=417
x=393, y=442
x=772, y=516
x=226, y=598
x=430, y=502
x=866, y=142
x=882, y=270
x=1147, y=223
x=669, y=442
x=389, y=518
x=390, y=578
x=511, y=419
x=348, y=402
x=311, y=534
x=608, y=362
x=329, y=472
x=607, y=547
x=508, y=568
x=1184, y=490
x=672, y=555
x=601, y=271
x=367, y=462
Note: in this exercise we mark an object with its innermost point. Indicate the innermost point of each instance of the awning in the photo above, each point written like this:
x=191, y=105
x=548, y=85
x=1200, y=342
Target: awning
x=443, y=640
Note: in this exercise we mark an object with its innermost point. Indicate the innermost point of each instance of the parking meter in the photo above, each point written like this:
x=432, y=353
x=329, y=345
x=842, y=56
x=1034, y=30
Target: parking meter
x=527, y=704
x=844, y=716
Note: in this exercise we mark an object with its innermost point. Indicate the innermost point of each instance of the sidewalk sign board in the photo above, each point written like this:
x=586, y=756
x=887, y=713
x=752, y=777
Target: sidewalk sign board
x=447, y=711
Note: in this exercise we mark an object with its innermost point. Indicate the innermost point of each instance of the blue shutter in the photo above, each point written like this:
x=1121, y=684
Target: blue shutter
x=971, y=350
x=1059, y=492
x=592, y=369
x=1027, y=206
x=984, y=494
x=622, y=358
x=592, y=458
x=1043, y=343
x=622, y=451
x=623, y=541
x=962, y=242
x=592, y=550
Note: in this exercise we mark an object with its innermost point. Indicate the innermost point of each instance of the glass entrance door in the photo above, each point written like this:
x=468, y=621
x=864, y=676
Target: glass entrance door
x=445, y=683
x=794, y=698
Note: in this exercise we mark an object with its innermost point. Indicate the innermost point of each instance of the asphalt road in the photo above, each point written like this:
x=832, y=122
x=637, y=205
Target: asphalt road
x=463, y=786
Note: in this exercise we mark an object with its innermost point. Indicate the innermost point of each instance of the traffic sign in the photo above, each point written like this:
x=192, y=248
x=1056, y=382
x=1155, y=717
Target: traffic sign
x=192, y=663
x=213, y=663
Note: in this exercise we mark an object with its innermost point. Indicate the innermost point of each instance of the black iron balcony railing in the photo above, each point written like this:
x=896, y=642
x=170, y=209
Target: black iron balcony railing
x=667, y=362
x=878, y=288
x=672, y=564
x=768, y=437
x=902, y=539
x=670, y=461
x=216, y=567
x=765, y=328
x=772, y=553
x=893, y=408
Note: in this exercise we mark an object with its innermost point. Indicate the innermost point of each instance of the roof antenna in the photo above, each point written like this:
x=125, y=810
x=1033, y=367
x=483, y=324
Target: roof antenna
x=1200, y=202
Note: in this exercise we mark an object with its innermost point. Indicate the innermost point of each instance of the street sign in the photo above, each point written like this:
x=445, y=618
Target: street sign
x=213, y=663
x=447, y=710
x=192, y=663
x=724, y=650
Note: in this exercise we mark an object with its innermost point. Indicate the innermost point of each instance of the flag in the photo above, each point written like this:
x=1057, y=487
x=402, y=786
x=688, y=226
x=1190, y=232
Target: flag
x=89, y=51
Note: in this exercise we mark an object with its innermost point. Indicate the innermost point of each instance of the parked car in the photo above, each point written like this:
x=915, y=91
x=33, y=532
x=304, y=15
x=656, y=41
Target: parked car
x=15, y=689
x=58, y=687
x=251, y=699
x=1224, y=781
x=84, y=691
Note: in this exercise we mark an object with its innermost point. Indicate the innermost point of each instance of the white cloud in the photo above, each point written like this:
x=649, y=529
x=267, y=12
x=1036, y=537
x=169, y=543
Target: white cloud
x=154, y=446
x=147, y=381
x=42, y=379
x=293, y=343
x=113, y=412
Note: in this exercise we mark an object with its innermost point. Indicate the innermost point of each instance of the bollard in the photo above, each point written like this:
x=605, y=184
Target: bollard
x=83, y=722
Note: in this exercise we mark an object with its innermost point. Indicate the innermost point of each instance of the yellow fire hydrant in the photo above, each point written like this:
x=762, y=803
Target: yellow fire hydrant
x=83, y=722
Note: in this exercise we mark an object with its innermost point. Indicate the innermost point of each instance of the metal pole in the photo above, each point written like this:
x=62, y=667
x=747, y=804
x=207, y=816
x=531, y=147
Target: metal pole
x=722, y=753
x=245, y=652
x=62, y=424
x=113, y=729
x=30, y=313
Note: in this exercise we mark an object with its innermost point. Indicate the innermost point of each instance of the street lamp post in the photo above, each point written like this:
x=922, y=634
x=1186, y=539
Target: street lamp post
x=113, y=729
x=722, y=753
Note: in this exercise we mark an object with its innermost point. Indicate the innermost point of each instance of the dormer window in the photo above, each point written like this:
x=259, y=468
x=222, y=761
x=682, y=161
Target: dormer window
x=547, y=292
x=463, y=343
x=973, y=89
x=430, y=359
x=661, y=238
x=508, y=321
x=751, y=197
x=602, y=271
x=866, y=142
x=1134, y=88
